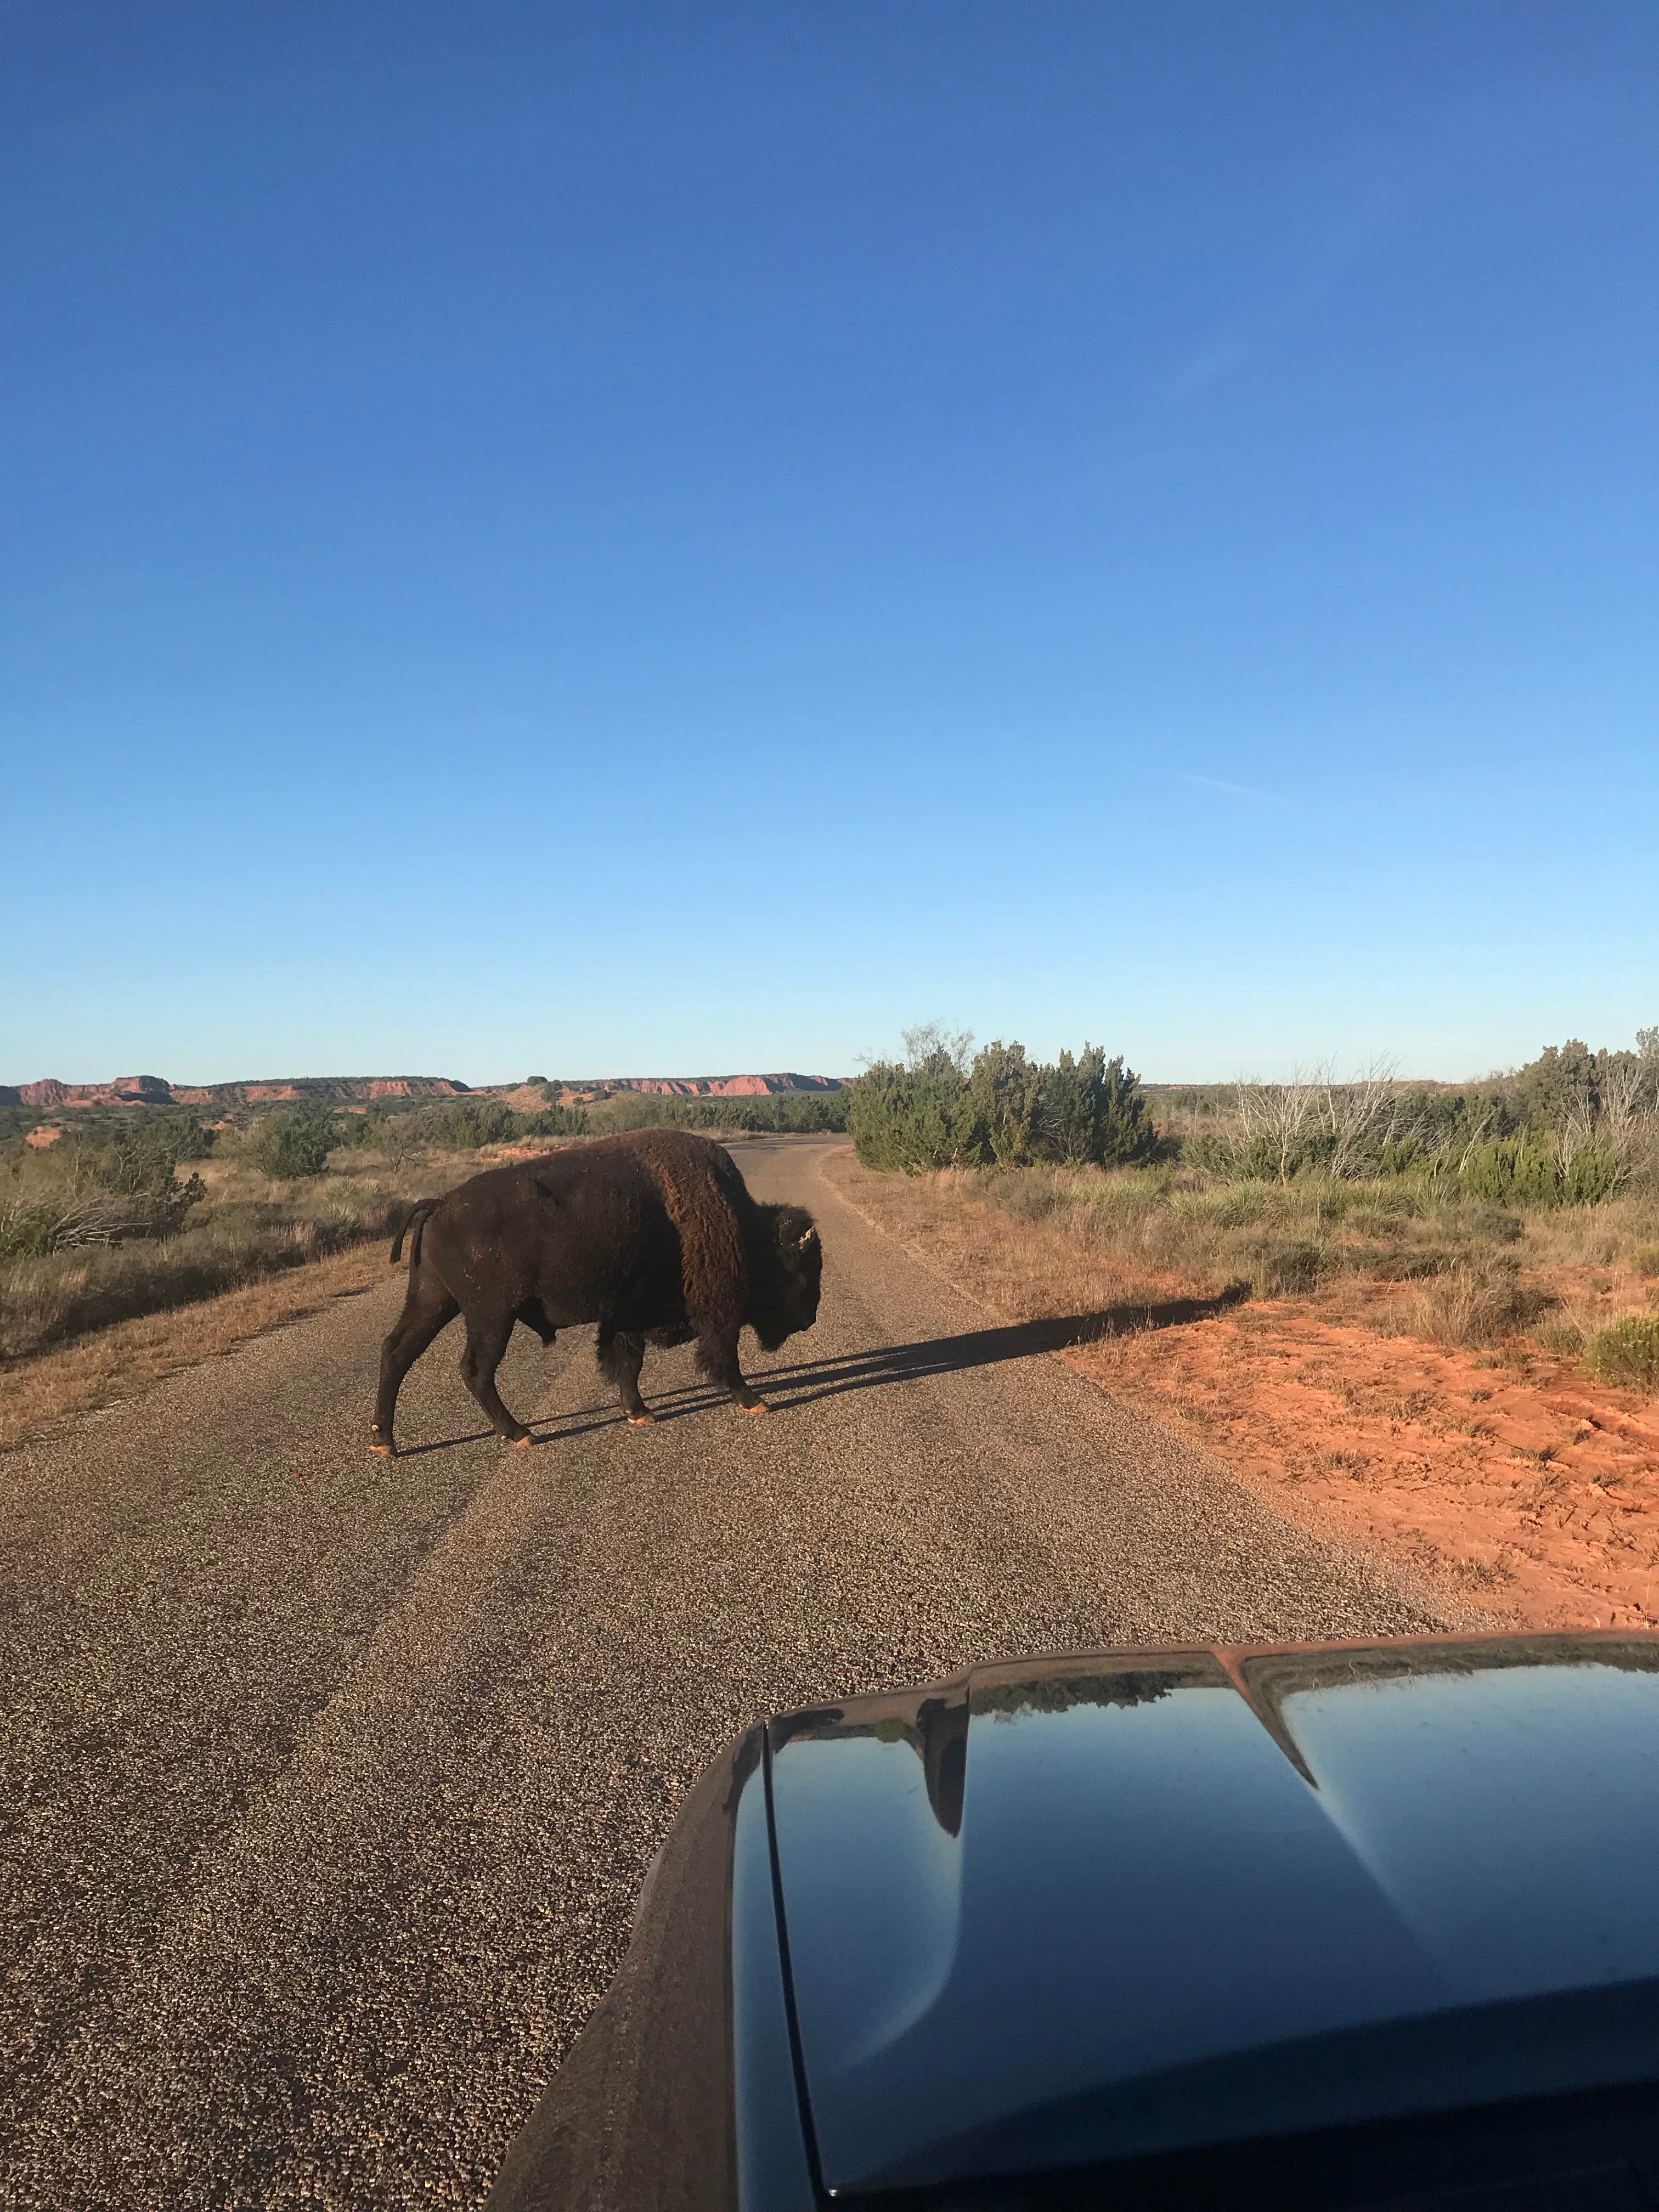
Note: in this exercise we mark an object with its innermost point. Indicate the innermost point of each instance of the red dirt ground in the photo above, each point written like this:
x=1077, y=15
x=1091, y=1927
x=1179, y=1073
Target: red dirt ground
x=1505, y=1479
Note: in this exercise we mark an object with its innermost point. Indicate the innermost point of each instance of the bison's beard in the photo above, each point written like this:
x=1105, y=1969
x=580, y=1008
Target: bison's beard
x=785, y=1269
x=794, y=1307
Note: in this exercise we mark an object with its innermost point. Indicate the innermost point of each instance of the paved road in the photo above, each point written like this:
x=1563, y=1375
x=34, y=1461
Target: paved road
x=327, y=1782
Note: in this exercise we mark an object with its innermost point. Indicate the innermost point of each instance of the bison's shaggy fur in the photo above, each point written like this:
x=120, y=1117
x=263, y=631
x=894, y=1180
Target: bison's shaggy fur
x=654, y=1235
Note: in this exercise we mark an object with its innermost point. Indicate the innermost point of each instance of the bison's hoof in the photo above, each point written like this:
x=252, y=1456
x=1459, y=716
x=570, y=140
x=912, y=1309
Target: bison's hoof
x=383, y=1448
x=760, y=1405
x=523, y=1442
x=641, y=1420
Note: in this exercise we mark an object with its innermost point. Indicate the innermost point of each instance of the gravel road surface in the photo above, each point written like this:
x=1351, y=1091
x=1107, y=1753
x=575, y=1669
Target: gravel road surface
x=326, y=1782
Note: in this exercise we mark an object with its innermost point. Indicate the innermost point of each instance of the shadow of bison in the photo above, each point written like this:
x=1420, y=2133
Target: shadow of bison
x=653, y=1235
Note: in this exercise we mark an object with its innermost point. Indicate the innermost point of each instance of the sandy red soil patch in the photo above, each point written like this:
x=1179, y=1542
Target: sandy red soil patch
x=1528, y=1496
x=1501, y=1481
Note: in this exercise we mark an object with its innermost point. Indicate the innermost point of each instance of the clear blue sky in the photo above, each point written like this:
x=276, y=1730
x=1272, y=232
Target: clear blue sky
x=565, y=540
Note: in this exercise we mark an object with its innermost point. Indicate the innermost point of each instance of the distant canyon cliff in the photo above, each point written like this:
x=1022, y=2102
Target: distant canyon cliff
x=591, y=1091
x=49, y=1095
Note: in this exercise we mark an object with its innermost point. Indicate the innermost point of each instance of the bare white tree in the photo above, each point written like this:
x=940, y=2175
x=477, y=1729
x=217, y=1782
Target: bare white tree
x=1278, y=1116
x=1628, y=1123
x=930, y=1040
x=1361, y=1114
x=1482, y=1125
x=1353, y=1116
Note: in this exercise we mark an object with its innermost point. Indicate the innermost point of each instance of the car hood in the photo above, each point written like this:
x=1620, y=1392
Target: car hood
x=1063, y=1910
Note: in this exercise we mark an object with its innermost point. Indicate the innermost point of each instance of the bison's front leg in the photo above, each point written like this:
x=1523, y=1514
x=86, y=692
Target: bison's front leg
x=718, y=1358
x=486, y=1342
x=622, y=1355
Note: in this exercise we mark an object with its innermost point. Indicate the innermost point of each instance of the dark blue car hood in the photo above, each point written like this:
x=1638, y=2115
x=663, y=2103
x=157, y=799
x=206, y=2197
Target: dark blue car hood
x=1068, y=1910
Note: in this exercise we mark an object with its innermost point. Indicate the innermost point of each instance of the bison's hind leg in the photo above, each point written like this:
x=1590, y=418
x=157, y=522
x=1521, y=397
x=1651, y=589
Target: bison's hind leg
x=487, y=1339
x=622, y=1355
x=428, y=1308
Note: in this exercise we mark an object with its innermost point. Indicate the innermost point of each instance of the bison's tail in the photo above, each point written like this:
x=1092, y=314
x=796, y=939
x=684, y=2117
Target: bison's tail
x=412, y=1228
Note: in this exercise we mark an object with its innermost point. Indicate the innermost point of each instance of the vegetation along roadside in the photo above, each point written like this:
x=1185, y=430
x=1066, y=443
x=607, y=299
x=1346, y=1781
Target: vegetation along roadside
x=1429, y=1317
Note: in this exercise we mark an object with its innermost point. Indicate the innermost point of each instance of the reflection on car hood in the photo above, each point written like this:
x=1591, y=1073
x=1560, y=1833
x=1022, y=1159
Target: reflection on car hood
x=1070, y=1909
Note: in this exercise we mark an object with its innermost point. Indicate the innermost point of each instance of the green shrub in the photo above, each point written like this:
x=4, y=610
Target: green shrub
x=1115, y=1114
x=912, y=1119
x=1400, y=1156
x=363, y=1132
x=1510, y=1171
x=1005, y=1111
x=294, y=1143
x=82, y=1194
x=1242, y=1160
x=462, y=1125
x=555, y=1122
x=1516, y=1171
x=143, y=1167
x=795, y=1112
x=1591, y=1175
x=1004, y=1091
x=1210, y=1150
x=1000, y=1107
x=32, y=1225
x=1627, y=1351
x=804, y=1113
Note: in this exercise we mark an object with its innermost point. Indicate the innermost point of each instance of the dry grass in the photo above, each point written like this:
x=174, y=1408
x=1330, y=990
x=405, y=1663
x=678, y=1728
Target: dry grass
x=1027, y=1268
x=1393, y=1253
x=1479, y=1302
x=1627, y=1352
x=245, y=1229
x=112, y=1362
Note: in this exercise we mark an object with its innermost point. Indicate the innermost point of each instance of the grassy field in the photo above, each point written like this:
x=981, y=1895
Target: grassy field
x=245, y=1227
x=1394, y=1252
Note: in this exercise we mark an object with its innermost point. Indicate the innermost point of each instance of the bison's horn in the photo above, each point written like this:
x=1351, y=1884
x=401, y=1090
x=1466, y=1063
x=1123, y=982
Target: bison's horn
x=808, y=1235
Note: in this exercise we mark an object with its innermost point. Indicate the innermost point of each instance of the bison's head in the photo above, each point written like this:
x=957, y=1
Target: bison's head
x=783, y=1284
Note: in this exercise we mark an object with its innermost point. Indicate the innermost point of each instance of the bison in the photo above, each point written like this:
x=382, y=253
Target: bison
x=654, y=1235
